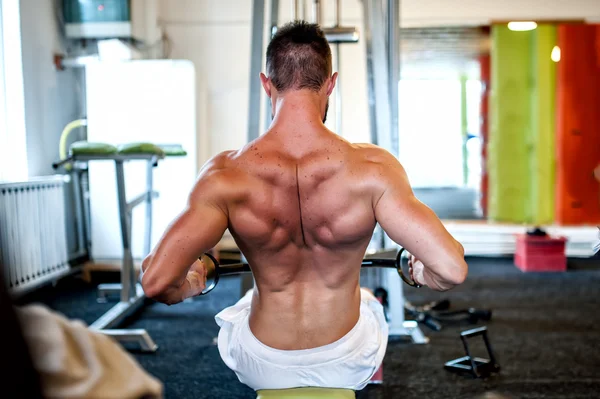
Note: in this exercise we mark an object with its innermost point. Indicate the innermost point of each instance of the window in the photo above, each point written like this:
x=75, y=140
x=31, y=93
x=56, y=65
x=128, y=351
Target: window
x=430, y=132
x=13, y=146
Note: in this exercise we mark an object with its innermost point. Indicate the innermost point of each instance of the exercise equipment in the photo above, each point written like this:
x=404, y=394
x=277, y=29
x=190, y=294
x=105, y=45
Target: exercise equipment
x=131, y=293
x=305, y=393
x=215, y=270
x=476, y=367
x=436, y=314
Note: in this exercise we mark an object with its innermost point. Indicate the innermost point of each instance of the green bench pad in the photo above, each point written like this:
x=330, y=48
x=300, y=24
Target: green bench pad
x=173, y=150
x=91, y=148
x=140, y=148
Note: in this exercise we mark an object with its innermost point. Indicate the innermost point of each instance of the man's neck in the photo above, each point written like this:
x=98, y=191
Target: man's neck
x=298, y=111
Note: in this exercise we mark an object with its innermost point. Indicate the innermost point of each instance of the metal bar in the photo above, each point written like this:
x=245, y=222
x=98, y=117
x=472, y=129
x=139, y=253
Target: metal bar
x=464, y=128
x=138, y=335
x=86, y=209
x=140, y=199
x=106, y=290
x=338, y=91
x=317, y=12
x=149, y=197
x=273, y=30
x=115, y=315
x=367, y=4
x=79, y=223
x=125, y=219
x=415, y=333
x=393, y=43
x=258, y=21
x=274, y=14
x=295, y=10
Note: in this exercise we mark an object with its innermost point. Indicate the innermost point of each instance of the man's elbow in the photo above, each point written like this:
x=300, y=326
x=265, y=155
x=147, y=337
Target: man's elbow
x=459, y=273
x=457, y=270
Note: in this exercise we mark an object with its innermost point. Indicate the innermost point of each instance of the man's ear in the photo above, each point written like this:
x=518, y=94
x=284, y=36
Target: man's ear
x=266, y=84
x=332, y=83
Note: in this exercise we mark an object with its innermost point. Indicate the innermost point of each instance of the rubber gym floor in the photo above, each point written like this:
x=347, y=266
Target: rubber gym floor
x=544, y=330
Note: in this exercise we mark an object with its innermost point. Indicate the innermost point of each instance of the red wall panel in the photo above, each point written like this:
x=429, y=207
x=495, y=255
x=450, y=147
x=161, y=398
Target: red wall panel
x=578, y=125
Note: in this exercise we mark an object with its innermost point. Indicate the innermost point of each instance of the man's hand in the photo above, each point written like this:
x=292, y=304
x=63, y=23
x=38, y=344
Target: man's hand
x=416, y=269
x=196, y=277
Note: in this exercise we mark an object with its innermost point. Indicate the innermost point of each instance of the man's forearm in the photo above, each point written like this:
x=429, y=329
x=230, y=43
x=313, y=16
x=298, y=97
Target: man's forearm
x=174, y=294
x=155, y=286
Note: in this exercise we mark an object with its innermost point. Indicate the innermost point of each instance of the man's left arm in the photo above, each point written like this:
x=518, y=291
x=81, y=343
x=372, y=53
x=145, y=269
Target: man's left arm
x=166, y=274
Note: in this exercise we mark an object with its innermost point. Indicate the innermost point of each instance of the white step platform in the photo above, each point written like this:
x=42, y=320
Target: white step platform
x=483, y=238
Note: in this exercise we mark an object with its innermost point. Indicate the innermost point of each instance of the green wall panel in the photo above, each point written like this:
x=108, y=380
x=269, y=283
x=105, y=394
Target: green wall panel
x=510, y=141
x=543, y=157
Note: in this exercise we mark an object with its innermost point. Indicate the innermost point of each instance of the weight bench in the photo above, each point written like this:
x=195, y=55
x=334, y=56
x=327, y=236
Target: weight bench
x=131, y=293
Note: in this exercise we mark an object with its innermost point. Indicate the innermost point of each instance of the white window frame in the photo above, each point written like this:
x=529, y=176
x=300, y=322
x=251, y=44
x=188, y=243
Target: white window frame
x=13, y=139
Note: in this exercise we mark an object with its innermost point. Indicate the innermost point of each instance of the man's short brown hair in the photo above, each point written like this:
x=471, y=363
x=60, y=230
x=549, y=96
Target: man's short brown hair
x=299, y=57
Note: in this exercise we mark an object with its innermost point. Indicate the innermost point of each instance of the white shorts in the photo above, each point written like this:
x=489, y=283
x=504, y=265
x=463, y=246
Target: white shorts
x=348, y=363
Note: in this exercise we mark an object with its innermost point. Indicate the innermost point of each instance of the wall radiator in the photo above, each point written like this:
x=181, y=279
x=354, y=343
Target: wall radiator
x=33, y=240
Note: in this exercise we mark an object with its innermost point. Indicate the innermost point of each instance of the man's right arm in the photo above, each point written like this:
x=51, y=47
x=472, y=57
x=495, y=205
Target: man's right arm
x=415, y=227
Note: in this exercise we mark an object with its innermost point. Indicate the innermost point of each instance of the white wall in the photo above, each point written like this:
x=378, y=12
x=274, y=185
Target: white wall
x=51, y=96
x=216, y=37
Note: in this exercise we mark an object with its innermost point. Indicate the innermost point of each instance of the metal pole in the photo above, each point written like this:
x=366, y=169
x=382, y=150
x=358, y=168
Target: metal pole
x=317, y=11
x=370, y=77
x=274, y=22
x=127, y=285
x=394, y=71
x=295, y=10
x=258, y=21
x=149, y=188
x=338, y=63
x=81, y=241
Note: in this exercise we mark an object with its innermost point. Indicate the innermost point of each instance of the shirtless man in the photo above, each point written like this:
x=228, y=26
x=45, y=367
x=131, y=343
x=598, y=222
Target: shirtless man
x=302, y=204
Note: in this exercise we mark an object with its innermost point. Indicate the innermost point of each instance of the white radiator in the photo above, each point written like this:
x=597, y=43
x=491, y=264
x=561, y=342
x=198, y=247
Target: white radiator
x=33, y=242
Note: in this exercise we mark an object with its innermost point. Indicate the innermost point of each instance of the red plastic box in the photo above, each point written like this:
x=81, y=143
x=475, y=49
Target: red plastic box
x=541, y=253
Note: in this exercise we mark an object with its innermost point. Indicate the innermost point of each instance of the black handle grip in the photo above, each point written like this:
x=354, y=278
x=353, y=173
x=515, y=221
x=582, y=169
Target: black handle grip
x=218, y=270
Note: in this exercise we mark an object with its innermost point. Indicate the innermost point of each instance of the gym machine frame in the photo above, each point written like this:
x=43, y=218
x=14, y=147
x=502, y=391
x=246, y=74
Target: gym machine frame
x=132, y=295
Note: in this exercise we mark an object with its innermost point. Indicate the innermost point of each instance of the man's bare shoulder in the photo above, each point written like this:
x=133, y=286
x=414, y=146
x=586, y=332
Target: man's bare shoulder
x=375, y=156
x=219, y=178
x=380, y=168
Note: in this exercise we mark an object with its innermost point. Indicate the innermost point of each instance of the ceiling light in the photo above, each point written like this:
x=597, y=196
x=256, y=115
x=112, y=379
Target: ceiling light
x=555, y=56
x=522, y=25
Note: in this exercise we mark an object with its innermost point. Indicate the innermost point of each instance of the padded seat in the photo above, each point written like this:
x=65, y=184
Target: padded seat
x=92, y=148
x=173, y=150
x=306, y=393
x=140, y=148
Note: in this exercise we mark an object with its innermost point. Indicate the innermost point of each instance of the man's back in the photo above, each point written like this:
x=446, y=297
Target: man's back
x=300, y=208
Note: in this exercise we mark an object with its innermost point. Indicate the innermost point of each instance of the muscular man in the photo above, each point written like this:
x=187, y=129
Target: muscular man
x=301, y=203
